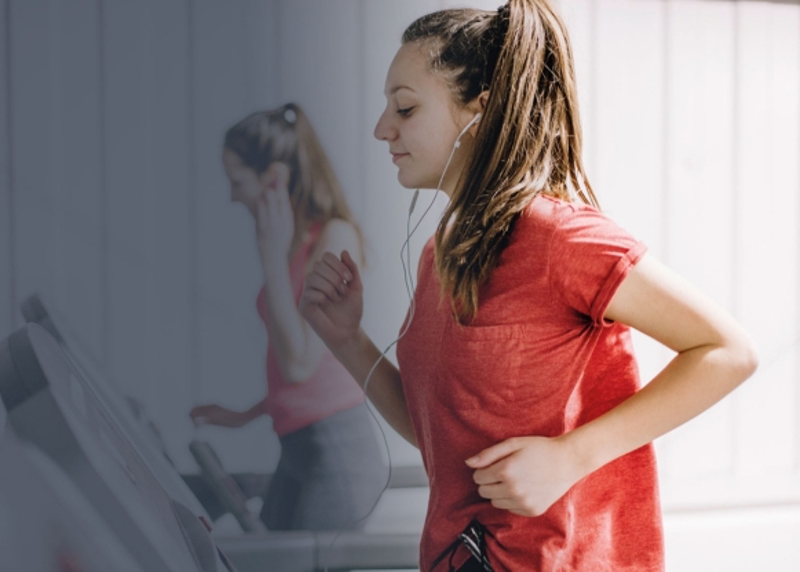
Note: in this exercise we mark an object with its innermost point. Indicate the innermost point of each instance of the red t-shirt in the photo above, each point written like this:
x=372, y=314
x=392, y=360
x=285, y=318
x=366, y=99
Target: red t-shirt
x=328, y=390
x=539, y=359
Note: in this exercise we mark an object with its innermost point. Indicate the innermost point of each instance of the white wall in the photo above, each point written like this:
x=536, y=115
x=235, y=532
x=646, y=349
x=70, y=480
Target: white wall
x=114, y=205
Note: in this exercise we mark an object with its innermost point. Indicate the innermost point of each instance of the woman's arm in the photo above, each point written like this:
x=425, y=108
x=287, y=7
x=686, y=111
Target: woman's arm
x=298, y=348
x=332, y=304
x=714, y=355
x=384, y=387
x=218, y=415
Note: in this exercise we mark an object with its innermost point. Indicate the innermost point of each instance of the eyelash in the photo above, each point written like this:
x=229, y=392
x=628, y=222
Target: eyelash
x=405, y=112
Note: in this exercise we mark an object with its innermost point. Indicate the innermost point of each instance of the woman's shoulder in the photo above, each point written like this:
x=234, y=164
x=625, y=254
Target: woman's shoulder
x=550, y=209
x=567, y=228
x=548, y=214
x=335, y=235
x=335, y=227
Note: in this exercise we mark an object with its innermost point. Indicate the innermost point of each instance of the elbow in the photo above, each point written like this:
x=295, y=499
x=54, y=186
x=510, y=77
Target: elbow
x=750, y=361
x=745, y=359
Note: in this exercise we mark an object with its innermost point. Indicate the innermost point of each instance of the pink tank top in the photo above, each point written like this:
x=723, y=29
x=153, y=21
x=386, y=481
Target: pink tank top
x=330, y=388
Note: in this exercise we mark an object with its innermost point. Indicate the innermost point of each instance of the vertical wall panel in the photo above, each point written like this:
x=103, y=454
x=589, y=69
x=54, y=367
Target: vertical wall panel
x=630, y=92
x=629, y=123
x=231, y=344
x=767, y=239
x=781, y=351
x=699, y=197
x=32, y=137
x=7, y=309
x=167, y=237
x=261, y=53
x=128, y=176
x=580, y=18
x=320, y=61
x=77, y=171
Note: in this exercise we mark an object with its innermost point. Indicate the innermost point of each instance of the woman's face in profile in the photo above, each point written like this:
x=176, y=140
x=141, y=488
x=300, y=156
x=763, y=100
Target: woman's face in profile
x=420, y=122
x=245, y=185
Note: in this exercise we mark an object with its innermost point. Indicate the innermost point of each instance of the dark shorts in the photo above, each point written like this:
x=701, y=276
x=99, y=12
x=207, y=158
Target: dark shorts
x=329, y=476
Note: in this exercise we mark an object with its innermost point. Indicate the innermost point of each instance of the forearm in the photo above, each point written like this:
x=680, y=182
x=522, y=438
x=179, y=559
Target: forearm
x=384, y=387
x=297, y=348
x=691, y=383
x=256, y=411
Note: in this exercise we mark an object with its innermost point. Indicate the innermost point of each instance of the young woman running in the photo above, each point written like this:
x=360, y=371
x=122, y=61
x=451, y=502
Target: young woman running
x=330, y=471
x=517, y=378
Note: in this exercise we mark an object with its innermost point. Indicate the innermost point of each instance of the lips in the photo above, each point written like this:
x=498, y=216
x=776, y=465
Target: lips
x=397, y=156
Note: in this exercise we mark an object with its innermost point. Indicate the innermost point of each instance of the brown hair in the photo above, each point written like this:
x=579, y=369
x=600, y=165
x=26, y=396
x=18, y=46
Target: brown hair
x=529, y=138
x=285, y=134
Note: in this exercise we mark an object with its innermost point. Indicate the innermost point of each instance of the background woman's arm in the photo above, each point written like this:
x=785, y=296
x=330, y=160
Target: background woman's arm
x=297, y=347
x=224, y=417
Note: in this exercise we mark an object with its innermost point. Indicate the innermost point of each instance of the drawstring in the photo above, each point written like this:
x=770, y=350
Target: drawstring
x=473, y=538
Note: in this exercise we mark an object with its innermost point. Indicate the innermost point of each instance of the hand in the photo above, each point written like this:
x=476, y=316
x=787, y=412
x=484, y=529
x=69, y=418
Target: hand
x=216, y=415
x=274, y=214
x=332, y=300
x=525, y=475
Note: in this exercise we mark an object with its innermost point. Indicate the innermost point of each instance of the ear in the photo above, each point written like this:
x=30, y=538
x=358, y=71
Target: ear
x=478, y=105
x=482, y=99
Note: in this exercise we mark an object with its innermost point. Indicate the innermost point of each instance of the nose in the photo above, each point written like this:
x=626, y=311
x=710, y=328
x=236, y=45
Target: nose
x=384, y=129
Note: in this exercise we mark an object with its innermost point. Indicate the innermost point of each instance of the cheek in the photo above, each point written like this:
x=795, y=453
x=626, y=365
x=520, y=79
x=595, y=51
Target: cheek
x=250, y=189
x=433, y=144
x=431, y=157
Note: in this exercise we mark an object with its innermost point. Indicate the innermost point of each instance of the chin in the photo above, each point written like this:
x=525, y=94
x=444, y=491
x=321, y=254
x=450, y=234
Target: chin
x=411, y=182
x=405, y=181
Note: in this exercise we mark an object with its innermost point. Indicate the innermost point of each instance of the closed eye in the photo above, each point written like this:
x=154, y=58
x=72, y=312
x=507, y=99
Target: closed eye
x=405, y=111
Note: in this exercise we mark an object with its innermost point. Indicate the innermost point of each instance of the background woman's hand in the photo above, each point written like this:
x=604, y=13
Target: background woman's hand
x=332, y=301
x=217, y=415
x=274, y=214
x=525, y=475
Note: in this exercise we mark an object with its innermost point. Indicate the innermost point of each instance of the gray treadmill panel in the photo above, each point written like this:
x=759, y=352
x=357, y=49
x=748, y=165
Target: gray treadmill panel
x=46, y=524
x=272, y=552
x=65, y=419
x=35, y=311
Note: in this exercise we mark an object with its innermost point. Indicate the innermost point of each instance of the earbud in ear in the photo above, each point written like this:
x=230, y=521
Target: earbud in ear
x=472, y=122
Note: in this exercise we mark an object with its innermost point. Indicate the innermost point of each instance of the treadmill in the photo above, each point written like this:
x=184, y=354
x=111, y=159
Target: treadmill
x=50, y=407
x=145, y=441
x=46, y=524
x=280, y=551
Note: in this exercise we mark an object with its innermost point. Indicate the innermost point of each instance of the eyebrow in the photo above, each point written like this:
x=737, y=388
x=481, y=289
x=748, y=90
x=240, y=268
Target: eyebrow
x=397, y=88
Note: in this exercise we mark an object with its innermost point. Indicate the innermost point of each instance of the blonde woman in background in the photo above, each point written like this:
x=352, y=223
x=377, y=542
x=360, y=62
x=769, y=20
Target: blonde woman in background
x=330, y=471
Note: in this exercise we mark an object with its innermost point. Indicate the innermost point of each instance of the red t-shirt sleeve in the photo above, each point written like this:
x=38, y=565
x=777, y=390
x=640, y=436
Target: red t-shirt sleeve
x=590, y=256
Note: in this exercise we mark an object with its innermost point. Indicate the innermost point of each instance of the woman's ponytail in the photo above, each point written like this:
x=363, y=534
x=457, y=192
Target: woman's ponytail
x=529, y=140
